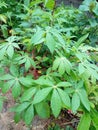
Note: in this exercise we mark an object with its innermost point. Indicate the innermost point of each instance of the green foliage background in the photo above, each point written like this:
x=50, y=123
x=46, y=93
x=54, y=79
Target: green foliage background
x=49, y=59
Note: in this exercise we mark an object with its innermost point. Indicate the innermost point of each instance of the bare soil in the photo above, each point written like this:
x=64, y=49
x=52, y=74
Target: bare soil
x=7, y=122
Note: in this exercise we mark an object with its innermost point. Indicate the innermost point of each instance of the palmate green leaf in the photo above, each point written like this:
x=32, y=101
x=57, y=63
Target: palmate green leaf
x=26, y=2
x=58, y=36
x=86, y=75
x=85, y=121
x=21, y=107
x=17, y=117
x=6, y=77
x=43, y=82
x=3, y=45
x=56, y=63
x=82, y=56
x=64, y=84
x=88, y=2
x=56, y=103
x=3, y=18
x=45, y=2
x=32, y=62
x=64, y=97
x=3, y=4
x=40, y=41
x=26, y=81
x=43, y=109
x=25, y=59
x=10, y=51
x=75, y=102
x=27, y=64
x=80, y=84
x=68, y=66
x=62, y=68
x=84, y=8
x=12, y=39
x=93, y=73
x=50, y=42
x=84, y=99
x=14, y=70
x=49, y=4
x=81, y=69
x=7, y=49
x=8, y=46
x=62, y=64
x=35, y=2
x=29, y=114
x=21, y=59
x=28, y=94
x=94, y=117
x=8, y=85
x=69, y=90
x=41, y=95
x=15, y=45
x=95, y=10
x=81, y=40
x=2, y=52
x=16, y=90
x=92, y=69
x=37, y=36
x=93, y=66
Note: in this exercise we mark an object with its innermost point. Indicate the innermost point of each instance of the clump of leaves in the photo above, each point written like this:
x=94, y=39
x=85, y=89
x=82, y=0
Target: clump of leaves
x=50, y=61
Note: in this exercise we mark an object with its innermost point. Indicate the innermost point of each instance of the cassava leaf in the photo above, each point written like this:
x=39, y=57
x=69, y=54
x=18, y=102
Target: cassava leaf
x=29, y=114
x=50, y=42
x=62, y=64
x=26, y=81
x=17, y=117
x=21, y=107
x=49, y=4
x=64, y=97
x=84, y=99
x=6, y=77
x=43, y=109
x=56, y=63
x=8, y=85
x=56, y=103
x=16, y=90
x=2, y=52
x=81, y=40
x=94, y=117
x=14, y=70
x=41, y=95
x=26, y=2
x=81, y=69
x=75, y=102
x=28, y=94
x=37, y=36
x=27, y=64
x=10, y=51
x=64, y=84
x=85, y=121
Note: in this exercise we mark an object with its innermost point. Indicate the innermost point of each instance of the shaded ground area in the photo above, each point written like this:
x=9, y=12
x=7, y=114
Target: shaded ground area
x=7, y=122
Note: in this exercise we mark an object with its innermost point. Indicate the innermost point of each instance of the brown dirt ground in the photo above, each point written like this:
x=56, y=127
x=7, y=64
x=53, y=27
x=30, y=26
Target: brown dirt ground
x=7, y=122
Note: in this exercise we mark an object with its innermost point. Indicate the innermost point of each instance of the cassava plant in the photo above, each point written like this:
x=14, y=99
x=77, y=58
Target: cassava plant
x=50, y=61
